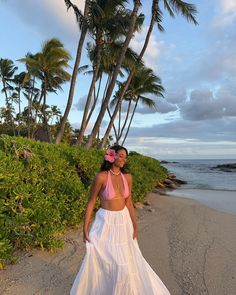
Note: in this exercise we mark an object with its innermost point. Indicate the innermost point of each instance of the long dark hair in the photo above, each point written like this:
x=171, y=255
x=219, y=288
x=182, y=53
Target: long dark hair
x=106, y=165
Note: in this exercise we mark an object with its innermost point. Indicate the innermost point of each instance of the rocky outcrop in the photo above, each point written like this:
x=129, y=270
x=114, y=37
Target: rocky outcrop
x=168, y=162
x=171, y=182
x=226, y=167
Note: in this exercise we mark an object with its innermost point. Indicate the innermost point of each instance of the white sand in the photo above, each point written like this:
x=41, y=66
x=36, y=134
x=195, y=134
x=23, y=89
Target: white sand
x=190, y=246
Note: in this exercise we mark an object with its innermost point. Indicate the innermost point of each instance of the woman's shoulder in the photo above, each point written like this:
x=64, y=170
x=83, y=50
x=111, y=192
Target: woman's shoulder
x=128, y=176
x=101, y=175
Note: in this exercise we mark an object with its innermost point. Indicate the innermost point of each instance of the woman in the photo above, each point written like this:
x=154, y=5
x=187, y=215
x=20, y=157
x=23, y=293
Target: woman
x=113, y=264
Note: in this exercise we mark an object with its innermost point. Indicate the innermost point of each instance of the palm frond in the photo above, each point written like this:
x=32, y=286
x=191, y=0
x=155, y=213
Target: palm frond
x=78, y=14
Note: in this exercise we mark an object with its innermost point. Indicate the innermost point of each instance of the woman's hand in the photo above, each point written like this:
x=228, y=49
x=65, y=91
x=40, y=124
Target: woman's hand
x=135, y=234
x=86, y=237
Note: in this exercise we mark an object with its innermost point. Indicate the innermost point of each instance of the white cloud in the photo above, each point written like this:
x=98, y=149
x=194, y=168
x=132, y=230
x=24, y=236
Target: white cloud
x=226, y=13
x=47, y=17
x=156, y=50
x=229, y=6
x=172, y=148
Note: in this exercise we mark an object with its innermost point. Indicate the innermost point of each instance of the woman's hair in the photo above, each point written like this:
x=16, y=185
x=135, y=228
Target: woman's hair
x=106, y=165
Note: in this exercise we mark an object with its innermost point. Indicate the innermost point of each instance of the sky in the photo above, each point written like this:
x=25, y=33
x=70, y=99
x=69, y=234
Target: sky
x=197, y=65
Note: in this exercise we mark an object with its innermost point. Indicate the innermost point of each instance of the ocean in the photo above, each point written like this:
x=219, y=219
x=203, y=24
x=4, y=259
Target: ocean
x=213, y=187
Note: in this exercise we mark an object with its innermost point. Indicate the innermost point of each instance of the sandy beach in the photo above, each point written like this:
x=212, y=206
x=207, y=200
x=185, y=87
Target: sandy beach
x=190, y=246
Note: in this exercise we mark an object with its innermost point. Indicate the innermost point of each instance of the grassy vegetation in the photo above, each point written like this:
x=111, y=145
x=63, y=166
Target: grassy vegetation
x=44, y=189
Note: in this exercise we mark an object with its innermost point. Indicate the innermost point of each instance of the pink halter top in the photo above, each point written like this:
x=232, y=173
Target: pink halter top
x=109, y=192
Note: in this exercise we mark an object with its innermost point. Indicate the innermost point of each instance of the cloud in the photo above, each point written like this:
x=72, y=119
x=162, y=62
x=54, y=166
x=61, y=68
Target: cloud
x=205, y=105
x=80, y=105
x=47, y=17
x=162, y=106
x=226, y=14
x=156, y=50
x=162, y=148
x=176, y=96
x=209, y=130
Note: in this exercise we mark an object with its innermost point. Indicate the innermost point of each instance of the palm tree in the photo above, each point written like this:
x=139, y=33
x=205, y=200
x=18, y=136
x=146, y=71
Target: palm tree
x=187, y=10
x=48, y=66
x=31, y=92
x=7, y=71
x=110, y=22
x=133, y=19
x=55, y=113
x=144, y=82
x=83, y=23
x=19, y=82
x=110, y=53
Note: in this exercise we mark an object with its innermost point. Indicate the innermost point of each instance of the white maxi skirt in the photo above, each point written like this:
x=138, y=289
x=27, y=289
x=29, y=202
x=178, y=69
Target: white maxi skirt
x=113, y=263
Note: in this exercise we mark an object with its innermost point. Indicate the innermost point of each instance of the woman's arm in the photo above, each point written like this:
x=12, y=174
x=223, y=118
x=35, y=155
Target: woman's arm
x=95, y=188
x=130, y=206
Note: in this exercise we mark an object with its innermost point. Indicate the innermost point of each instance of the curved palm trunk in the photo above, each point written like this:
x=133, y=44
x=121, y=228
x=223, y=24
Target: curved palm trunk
x=45, y=120
x=127, y=131
x=120, y=59
x=74, y=77
x=95, y=102
x=119, y=122
x=118, y=105
x=91, y=89
x=114, y=127
x=126, y=119
x=150, y=29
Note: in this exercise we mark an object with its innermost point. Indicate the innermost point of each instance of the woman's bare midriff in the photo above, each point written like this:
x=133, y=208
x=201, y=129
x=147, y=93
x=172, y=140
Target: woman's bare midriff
x=115, y=204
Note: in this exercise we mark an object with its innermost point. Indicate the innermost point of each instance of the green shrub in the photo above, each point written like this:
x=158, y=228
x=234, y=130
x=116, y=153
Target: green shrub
x=44, y=189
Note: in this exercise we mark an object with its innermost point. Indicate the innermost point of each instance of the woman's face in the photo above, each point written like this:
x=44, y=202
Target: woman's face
x=121, y=158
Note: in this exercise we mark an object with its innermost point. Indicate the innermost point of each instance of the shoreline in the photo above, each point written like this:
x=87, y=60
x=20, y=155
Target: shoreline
x=190, y=246
x=221, y=200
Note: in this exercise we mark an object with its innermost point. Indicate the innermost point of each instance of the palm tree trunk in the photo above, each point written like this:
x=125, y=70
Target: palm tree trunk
x=127, y=131
x=120, y=59
x=126, y=119
x=19, y=105
x=114, y=127
x=91, y=89
x=30, y=119
x=74, y=76
x=95, y=102
x=8, y=106
x=118, y=105
x=45, y=120
x=119, y=121
x=150, y=29
x=36, y=112
x=28, y=115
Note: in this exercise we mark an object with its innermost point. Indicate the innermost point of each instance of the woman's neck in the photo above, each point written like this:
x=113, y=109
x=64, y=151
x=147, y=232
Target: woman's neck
x=115, y=170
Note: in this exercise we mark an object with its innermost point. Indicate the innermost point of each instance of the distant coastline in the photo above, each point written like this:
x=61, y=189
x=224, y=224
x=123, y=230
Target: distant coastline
x=211, y=182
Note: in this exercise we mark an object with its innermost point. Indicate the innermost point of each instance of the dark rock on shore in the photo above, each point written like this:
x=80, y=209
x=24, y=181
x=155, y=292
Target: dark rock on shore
x=171, y=182
x=168, y=162
x=226, y=167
